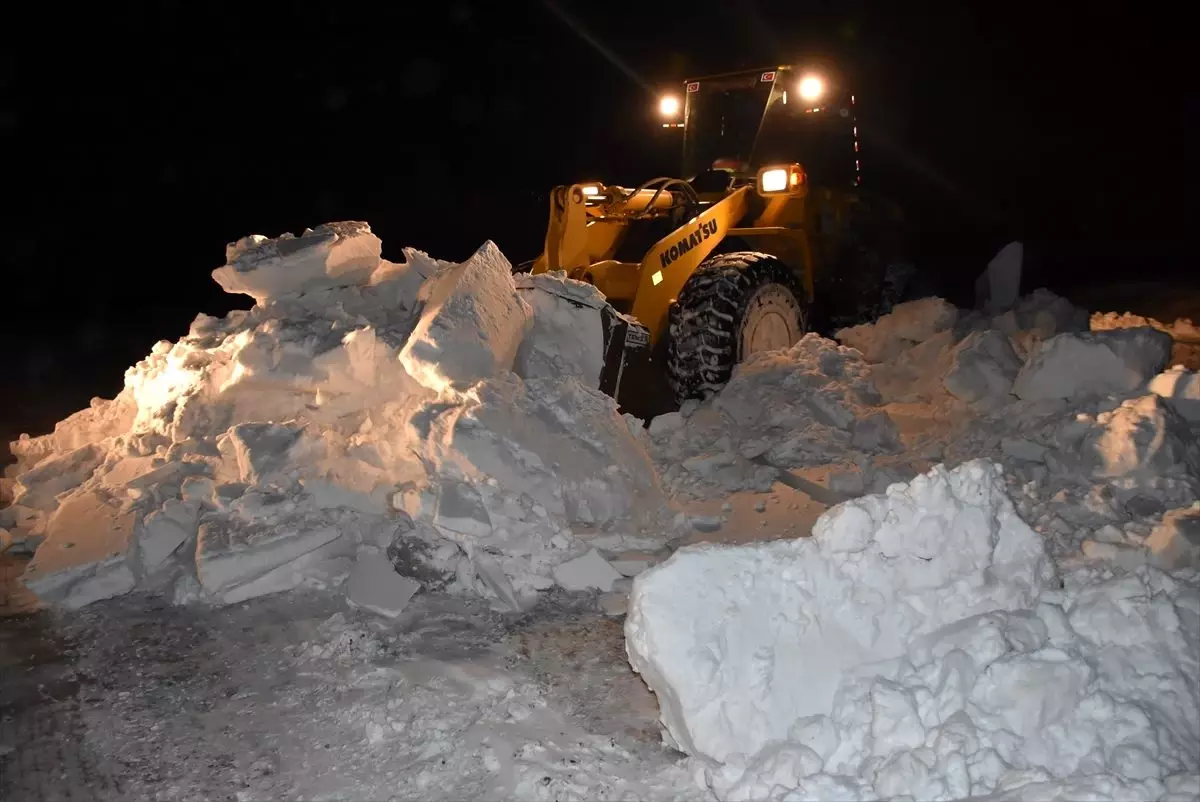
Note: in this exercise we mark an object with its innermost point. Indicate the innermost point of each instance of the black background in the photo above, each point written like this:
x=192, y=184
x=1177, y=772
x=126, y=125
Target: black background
x=139, y=139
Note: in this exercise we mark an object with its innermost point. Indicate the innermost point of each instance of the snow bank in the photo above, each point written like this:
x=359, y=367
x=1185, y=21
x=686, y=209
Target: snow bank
x=918, y=647
x=740, y=643
x=360, y=402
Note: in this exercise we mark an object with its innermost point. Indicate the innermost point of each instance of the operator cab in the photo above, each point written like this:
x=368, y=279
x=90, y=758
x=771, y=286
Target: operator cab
x=735, y=123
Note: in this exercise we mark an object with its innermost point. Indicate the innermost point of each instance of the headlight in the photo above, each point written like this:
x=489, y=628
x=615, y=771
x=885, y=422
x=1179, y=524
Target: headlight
x=668, y=105
x=811, y=88
x=775, y=180
x=782, y=179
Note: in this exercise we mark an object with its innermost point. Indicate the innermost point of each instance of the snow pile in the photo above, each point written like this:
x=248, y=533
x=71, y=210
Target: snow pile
x=1096, y=476
x=1038, y=316
x=812, y=404
x=918, y=646
x=908, y=324
x=361, y=406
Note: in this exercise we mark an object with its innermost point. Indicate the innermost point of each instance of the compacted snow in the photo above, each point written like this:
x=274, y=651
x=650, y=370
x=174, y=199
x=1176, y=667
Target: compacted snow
x=951, y=555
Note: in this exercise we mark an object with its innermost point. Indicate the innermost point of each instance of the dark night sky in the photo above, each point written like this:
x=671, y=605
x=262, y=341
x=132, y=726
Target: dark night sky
x=139, y=140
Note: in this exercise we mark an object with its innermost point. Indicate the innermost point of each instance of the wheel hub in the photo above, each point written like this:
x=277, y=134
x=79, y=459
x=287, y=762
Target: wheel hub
x=771, y=322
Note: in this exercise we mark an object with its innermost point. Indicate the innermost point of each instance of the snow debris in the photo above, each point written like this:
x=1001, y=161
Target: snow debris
x=586, y=572
x=1042, y=314
x=908, y=324
x=88, y=552
x=1182, y=329
x=375, y=585
x=1175, y=542
x=811, y=404
x=984, y=367
x=1071, y=365
x=1181, y=387
x=919, y=646
x=1141, y=441
x=359, y=403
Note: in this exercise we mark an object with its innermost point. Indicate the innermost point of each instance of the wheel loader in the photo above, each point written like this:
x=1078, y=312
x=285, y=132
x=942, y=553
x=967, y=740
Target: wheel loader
x=771, y=232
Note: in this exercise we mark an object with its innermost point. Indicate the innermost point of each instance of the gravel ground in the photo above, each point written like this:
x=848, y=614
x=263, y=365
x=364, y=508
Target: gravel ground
x=297, y=696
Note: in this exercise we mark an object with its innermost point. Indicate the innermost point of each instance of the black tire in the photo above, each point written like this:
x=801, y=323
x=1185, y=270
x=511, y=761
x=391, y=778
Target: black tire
x=706, y=335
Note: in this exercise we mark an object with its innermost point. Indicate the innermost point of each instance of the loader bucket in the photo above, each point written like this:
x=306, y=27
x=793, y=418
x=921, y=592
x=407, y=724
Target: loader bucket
x=625, y=342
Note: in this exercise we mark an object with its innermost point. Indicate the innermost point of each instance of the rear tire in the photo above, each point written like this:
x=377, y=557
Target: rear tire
x=734, y=306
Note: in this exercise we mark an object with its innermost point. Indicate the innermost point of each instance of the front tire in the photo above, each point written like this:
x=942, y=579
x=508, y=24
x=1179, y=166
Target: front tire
x=734, y=306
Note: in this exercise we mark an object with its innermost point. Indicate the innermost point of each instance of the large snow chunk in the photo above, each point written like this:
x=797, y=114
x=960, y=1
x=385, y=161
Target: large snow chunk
x=234, y=550
x=261, y=449
x=567, y=334
x=906, y=325
x=472, y=324
x=1077, y=364
x=331, y=255
x=1142, y=439
x=999, y=285
x=165, y=530
x=39, y=487
x=1044, y=314
x=1175, y=543
x=739, y=643
x=1090, y=693
x=1181, y=387
x=984, y=367
x=585, y=572
x=374, y=585
x=85, y=556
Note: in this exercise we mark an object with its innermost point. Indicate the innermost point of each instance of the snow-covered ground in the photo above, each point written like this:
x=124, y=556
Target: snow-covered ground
x=381, y=537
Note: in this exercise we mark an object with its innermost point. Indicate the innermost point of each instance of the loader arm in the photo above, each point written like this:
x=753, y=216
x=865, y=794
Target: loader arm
x=670, y=263
x=580, y=234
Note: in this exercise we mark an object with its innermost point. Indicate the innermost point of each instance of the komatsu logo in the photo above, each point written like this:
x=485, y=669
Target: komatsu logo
x=693, y=240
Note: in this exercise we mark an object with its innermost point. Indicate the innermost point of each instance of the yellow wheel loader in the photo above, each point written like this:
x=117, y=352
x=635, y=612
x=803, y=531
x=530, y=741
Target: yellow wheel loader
x=771, y=227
